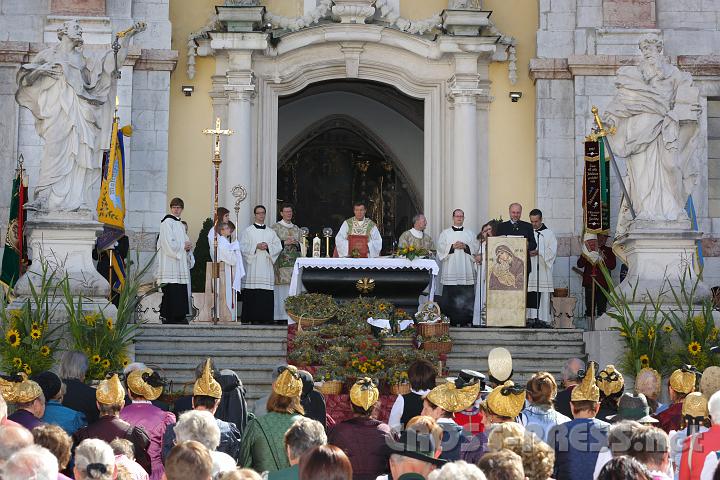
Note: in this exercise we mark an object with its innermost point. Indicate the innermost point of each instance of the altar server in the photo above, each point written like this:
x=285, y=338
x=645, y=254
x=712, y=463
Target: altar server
x=221, y=216
x=358, y=226
x=172, y=265
x=417, y=236
x=229, y=254
x=260, y=247
x=456, y=247
x=542, y=272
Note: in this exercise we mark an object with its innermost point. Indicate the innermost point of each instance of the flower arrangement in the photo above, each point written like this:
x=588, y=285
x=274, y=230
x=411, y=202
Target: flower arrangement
x=311, y=305
x=398, y=377
x=430, y=313
x=411, y=252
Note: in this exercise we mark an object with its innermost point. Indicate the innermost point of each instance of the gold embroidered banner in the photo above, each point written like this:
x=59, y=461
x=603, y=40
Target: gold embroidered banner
x=506, y=281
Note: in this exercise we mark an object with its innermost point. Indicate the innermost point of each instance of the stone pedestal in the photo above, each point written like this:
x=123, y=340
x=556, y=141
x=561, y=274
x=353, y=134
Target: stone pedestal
x=564, y=311
x=465, y=22
x=658, y=260
x=65, y=241
x=240, y=18
x=353, y=11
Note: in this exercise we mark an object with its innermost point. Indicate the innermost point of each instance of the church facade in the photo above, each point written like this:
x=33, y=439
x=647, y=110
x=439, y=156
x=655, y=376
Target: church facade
x=412, y=106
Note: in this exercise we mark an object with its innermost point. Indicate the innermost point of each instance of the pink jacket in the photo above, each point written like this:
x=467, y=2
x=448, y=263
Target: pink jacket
x=154, y=420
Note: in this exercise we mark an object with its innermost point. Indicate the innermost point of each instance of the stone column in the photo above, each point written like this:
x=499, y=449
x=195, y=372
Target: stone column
x=465, y=148
x=237, y=161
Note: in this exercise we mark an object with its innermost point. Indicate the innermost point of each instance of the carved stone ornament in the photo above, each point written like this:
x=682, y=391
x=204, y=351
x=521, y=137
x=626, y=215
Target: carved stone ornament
x=464, y=4
x=242, y=3
x=353, y=11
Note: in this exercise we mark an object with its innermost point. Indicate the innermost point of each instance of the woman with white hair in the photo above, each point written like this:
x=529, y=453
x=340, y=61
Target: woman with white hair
x=78, y=395
x=33, y=462
x=94, y=460
x=200, y=426
x=459, y=470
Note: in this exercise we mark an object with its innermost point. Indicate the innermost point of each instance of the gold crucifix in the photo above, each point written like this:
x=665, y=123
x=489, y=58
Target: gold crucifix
x=217, y=132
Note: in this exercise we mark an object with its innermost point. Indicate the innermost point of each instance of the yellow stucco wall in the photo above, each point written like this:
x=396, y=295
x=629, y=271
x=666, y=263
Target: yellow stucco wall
x=512, y=125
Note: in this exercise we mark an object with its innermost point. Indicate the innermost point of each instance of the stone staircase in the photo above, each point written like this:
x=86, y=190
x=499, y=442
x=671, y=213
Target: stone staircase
x=252, y=350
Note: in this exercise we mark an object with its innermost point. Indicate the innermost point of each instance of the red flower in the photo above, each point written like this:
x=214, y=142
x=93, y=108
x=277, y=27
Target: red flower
x=363, y=358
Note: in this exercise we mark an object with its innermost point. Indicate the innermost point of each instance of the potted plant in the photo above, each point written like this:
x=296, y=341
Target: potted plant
x=310, y=309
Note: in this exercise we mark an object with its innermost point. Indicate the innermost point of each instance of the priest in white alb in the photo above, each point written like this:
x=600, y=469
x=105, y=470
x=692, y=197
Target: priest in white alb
x=457, y=246
x=541, y=277
x=358, y=233
x=173, y=273
x=260, y=247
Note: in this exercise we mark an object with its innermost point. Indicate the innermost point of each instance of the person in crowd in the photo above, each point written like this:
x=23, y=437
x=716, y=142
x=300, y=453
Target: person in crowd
x=172, y=271
x=259, y=408
x=364, y=439
x=189, y=460
x=695, y=420
x=537, y=457
x=457, y=246
x=502, y=465
x=263, y=447
x=576, y=460
x=418, y=449
x=540, y=283
x=682, y=382
x=459, y=470
x=422, y=375
x=624, y=468
x=650, y=446
x=312, y=401
x=32, y=462
x=28, y=399
x=202, y=427
x=504, y=403
x=57, y=441
x=417, y=236
x=441, y=404
x=503, y=434
x=206, y=397
x=633, y=406
x=79, y=396
x=710, y=381
x=240, y=474
x=594, y=253
x=144, y=386
x=570, y=378
x=618, y=443
x=302, y=435
x=612, y=385
x=539, y=416
x=327, y=462
x=94, y=460
x=55, y=412
x=110, y=397
x=4, y=412
x=13, y=438
x=500, y=366
x=648, y=382
x=472, y=418
x=125, y=457
x=184, y=403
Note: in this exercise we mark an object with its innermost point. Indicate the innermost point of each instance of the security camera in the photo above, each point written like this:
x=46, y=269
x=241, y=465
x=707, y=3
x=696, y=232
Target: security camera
x=515, y=96
x=189, y=89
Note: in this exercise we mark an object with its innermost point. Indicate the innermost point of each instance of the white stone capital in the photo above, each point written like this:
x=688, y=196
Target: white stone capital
x=353, y=11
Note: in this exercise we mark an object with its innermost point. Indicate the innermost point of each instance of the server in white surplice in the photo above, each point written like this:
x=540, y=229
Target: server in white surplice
x=456, y=247
x=540, y=282
x=260, y=247
x=172, y=271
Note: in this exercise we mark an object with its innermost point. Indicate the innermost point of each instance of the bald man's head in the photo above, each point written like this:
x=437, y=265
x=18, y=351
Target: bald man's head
x=13, y=438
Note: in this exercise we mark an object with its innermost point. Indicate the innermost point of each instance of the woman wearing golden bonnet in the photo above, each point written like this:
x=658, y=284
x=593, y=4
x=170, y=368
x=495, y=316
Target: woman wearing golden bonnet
x=443, y=401
x=504, y=403
x=612, y=385
x=696, y=419
x=683, y=381
x=28, y=398
x=263, y=446
x=144, y=386
x=365, y=440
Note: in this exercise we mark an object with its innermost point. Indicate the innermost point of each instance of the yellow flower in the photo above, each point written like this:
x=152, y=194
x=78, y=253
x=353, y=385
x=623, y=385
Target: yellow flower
x=699, y=323
x=106, y=363
x=363, y=369
x=623, y=333
x=109, y=324
x=713, y=334
x=667, y=329
x=44, y=350
x=412, y=248
x=125, y=362
x=382, y=307
x=90, y=320
x=694, y=348
x=13, y=337
x=17, y=362
x=639, y=333
x=651, y=333
x=27, y=369
x=35, y=334
x=96, y=358
x=644, y=361
x=15, y=314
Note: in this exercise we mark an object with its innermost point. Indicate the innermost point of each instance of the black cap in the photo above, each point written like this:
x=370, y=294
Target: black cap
x=471, y=376
x=49, y=383
x=416, y=445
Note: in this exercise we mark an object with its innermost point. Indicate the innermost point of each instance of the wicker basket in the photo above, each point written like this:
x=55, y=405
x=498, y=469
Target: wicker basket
x=332, y=387
x=397, y=342
x=439, y=347
x=307, y=322
x=427, y=330
x=399, y=389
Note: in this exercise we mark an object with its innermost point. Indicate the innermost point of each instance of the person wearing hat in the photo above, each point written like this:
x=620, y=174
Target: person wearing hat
x=144, y=386
x=633, y=406
x=263, y=442
x=28, y=399
x=55, y=412
x=110, y=399
x=421, y=375
x=576, y=459
x=363, y=439
x=441, y=404
x=648, y=382
x=472, y=418
x=697, y=447
x=612, y=385
x=682, y=382
x=206, y=397
x=695, y=420
x=539, y=415
x=312, y=401
x=500, y=367
x=417, y=451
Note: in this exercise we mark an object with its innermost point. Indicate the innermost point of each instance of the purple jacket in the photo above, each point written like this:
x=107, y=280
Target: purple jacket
x=154, y=420
x=26, y=419
x=366, y=443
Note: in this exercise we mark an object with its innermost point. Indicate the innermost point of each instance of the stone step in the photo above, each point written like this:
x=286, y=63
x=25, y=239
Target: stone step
x=187, y=344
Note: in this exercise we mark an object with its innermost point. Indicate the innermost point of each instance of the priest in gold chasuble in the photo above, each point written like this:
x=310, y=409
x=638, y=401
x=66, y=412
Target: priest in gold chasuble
x=290, y=238
x=416, y=236
x=358, y=233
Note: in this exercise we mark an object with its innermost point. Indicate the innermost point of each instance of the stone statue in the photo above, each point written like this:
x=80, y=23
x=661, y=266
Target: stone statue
x=464, y=4
x=72, y=96
x=656, y=111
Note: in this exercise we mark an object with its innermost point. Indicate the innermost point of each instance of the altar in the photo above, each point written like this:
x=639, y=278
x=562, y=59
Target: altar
x=399, y=280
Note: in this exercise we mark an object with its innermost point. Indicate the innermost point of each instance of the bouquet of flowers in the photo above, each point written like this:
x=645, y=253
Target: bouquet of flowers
x=411, y=253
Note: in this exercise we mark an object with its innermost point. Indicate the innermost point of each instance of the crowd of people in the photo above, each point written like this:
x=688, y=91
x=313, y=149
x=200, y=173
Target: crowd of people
x=472, y=426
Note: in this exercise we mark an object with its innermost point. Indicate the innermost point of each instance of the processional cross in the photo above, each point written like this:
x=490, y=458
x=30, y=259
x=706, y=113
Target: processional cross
x=216, y=163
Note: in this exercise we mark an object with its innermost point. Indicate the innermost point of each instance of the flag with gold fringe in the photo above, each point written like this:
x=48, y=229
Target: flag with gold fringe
x=596, y=188
x=14, y=258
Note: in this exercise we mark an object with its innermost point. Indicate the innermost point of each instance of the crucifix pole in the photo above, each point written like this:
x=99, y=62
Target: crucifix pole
x=216, y=161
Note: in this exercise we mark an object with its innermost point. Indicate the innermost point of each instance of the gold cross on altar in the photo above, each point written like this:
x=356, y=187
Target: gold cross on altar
x=217, y=132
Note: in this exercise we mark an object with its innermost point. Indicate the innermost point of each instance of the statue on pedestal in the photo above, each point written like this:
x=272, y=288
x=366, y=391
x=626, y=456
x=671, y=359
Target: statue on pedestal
x=656, y=111
x=72, y=96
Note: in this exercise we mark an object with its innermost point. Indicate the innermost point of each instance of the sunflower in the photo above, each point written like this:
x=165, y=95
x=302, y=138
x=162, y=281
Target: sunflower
x=668, y=329
x=96, y=358
x=644, y=361
x=694, y=348
x=13, y=337
x=90, y=319
x=109, y=324
x=44, y=350
x=17, y=362
x=27, y=369
x=651, y=333
x=35, y=333
x=106, y=363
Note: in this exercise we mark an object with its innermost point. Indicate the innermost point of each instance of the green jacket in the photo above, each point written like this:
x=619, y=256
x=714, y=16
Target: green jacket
x=291, y=473
x=263, y=447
